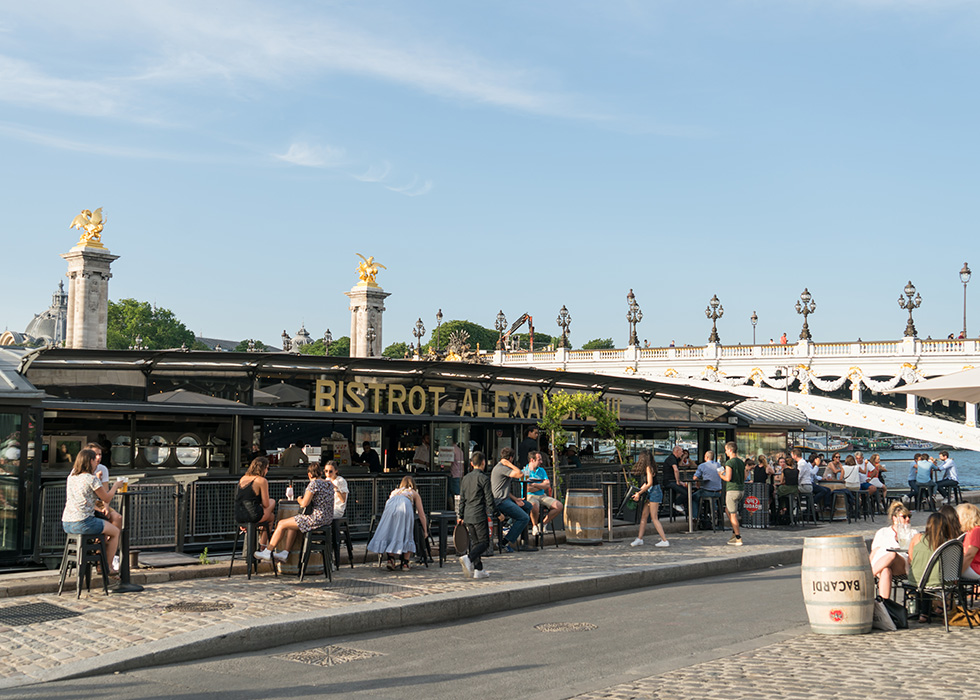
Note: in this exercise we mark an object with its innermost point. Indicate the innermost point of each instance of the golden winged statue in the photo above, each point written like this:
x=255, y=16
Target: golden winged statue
x=367, y=271
x=90, y=224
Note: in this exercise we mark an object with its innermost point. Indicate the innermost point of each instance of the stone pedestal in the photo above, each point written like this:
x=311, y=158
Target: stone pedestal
x=367, y=305
x=88, y=295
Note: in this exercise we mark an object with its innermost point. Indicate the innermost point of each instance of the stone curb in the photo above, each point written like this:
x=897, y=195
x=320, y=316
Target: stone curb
x=229, y=638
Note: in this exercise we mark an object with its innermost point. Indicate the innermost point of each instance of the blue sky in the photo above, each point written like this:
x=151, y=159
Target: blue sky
x=516, y=156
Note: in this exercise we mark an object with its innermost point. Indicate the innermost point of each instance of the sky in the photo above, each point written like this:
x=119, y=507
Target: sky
x=515, y=156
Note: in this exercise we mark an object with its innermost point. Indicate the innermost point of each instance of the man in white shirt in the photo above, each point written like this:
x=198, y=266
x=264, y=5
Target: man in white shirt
x=948, y=478
x=808, y=481
x=422, y=458
x=863, y=469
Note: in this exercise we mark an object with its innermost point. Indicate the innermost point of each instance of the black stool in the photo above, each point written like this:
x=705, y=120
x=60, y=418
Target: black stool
x=81, y=552
x=846, y=495
x=955, y=493
x=251, y=544
x=322, y=538
x=866, y=505
x=717, y=511
x=341, y=530
x=543, y=510
x=924, y=493
x=811, y=511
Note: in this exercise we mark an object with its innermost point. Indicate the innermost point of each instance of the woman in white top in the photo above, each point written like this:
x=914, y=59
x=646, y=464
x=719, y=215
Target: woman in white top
x=83, y=489
x=340, y=489
x=885, y=564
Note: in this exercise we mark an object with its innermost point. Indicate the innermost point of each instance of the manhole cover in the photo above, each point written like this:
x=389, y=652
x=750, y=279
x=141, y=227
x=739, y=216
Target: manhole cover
x=565, y=627
x=33, y=613
x=329, y=655
x=365, y=589
x=198, y=607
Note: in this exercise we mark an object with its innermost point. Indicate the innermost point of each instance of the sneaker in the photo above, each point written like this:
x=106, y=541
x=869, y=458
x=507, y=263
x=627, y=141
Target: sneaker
x=264, y=555
x=115, y=563
x=678, y=509
x=735, y=541
x=464, y=561
x=481, y=574
x=526, y=548
x=662, y=543
x=535, y=531
x=636, y=543
x=281, y=556
x=509, y=549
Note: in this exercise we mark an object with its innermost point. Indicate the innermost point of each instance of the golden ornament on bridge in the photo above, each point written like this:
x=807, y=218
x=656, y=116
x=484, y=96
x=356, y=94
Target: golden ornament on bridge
x=367, y=271
x=90, y=224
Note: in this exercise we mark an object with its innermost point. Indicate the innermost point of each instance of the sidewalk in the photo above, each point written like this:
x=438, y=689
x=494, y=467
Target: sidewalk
x=174, y=621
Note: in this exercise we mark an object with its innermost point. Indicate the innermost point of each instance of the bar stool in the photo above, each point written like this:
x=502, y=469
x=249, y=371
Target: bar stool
x=866, y=505
x=717, y=512
x=924, y=493
x=539, y=538
x=955, y=492
x=341, y=530
x=811, y=511
x=82, y=552
x=322, y=538
x=251, y=544
x=846, y=495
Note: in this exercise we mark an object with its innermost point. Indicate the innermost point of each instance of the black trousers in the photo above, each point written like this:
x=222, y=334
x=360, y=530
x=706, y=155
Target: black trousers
x=479, y=542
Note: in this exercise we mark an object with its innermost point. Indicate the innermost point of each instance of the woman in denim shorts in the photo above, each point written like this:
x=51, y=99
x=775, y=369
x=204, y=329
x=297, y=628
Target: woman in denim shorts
x=646, y=467
x=83, y=489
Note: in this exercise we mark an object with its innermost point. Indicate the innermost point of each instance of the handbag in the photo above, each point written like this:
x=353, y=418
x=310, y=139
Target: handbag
x=897, y=612
x=881, y=619
x=958, y=618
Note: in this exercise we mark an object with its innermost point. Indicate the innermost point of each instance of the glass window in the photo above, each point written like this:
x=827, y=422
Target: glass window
x=188, y=451
x=10, y=463
x=156, y=451
x=120, y=450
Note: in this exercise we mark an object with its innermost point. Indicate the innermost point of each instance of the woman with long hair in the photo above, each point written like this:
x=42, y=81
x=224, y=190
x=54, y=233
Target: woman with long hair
x=395, y=535
x=252, y=502
x=938, y=531
x=886, y=562
x=646, y=466
x=83, y=489
x=319, y=494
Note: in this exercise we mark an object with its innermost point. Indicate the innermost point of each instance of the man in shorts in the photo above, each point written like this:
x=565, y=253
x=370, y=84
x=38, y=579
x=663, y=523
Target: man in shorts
x=537, y=493
x=733, y=474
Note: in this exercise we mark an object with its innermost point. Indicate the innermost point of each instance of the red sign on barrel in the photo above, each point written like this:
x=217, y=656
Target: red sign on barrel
x=752, y=504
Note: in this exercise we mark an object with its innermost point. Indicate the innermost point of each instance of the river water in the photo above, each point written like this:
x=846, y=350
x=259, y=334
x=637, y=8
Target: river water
x=898, y=462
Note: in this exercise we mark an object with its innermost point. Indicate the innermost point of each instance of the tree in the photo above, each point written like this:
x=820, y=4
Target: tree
x=338, y=348
x=484, y=337
x=395, y=351
x=599, y=344
x=243, y=346
x=541, y=340
x=157, y=326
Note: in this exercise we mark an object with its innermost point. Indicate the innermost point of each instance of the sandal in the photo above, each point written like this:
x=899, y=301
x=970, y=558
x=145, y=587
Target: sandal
x=391, y=566
x=406, y=565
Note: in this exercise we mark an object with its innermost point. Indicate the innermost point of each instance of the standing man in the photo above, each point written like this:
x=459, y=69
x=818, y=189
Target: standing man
x=517, y=509
x=948, y=478
x=475, y=508
x=707, y=480
x=369, y=456
x=422, y=457
x=733, y=474
x=670, y=475
x=528, y=444
x=808, y=481
x=456, y=470
x=537, y=493
x=293, y=456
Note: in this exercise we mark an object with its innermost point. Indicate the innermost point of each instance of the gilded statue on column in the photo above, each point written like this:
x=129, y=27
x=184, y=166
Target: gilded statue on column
x=90, y=223
x=367, y=271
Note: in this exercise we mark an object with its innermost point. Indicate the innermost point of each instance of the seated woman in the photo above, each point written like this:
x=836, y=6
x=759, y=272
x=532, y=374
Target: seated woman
x=252, y=502
x=395, y=535
x=851, y=475
x=787, y=483
x=884, y=564
x=834, y=469
x=969, y=516
x=83, y=489
x=319, y=495
x=938, y=532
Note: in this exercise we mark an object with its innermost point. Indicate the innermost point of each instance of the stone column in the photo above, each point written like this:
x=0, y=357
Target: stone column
x=88, y=295
x=912, y=404
x=971, y=415
x=367, y=304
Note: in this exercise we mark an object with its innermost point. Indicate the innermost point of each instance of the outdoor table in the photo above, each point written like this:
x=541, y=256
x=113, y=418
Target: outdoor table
x=835, y=485
x=609, y=506
x=125, y=584
x=443, y=518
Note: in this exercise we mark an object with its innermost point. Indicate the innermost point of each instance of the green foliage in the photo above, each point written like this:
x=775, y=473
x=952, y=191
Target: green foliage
x=203, y=558
x=158, y=327
x=198, y=345
x=243, y=346
x=338, y=348
x=541, y=340
x=395, y=351
x=486, y=338
x=599, y=344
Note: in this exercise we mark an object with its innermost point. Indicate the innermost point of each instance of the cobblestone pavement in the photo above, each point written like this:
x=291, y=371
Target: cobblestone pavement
x=119, y=622
x=928, y=662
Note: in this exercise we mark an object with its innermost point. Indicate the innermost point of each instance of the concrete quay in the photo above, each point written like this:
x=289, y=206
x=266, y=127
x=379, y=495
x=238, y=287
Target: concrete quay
x=182, y=620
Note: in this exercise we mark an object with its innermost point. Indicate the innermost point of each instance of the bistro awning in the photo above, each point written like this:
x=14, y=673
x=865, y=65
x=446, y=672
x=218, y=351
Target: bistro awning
x=765, y=414
x=958, y=386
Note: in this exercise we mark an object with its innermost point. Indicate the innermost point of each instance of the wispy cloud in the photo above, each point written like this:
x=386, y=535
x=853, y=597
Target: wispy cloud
x=414, y=188
x=376, y=173
x=24, y=83
x=58, y=142
x=312, y=156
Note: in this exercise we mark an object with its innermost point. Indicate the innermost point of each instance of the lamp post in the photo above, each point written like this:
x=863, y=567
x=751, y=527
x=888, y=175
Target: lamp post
x=138, y=343
x=371, y=336
x=964, y=278
x=564, y=321
x=438, y=324
x=910, y=304
x=418, y=332
x=714, y=311
x=500, y=324
x=755, y=319
x=633, y=316
x=808, y=307
x=779, y=374
x=327, y=341
x=251, y=345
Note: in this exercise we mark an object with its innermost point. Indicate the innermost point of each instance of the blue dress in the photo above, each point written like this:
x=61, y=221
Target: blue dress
x=396, y=530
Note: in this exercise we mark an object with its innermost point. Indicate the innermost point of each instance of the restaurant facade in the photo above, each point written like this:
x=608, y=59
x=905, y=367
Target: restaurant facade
x=183, y=425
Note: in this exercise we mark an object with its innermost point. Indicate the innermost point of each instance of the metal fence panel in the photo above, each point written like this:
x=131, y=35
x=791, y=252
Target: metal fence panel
x=152, y=515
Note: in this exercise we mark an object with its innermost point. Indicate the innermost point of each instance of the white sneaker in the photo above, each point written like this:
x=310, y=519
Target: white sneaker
x=535, y=531
x=281, y=556
x=467, y=565
x=115, y=563
x=481, y=573
x=636, y=543
x=264, y=555
x=662, y=543
x=678, y=508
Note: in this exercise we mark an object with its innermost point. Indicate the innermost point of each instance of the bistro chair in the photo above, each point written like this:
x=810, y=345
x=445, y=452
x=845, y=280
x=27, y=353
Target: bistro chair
x=323, y=538
x=251, y=544
x=83, y=552
x=949, y=559
x=341, y=534
x=805, y=509
x=923, y=493
x=715, y=511
x=542, y=533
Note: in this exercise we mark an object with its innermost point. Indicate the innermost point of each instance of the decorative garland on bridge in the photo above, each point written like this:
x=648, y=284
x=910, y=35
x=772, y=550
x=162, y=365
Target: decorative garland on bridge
x=805, y=377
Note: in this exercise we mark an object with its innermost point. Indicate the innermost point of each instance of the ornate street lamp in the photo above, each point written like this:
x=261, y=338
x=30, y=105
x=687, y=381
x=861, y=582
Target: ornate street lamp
x=327, y=342
x=500, y=325
x=714, y=311
x=371, y=336
x=633, y=316
x=251, y=345
x=964, y=278
x=438, y=324
x=755, y=319
x=419, y=332
x=286, y=342
x=910, y=304
x=564, y=321
x=808, y=307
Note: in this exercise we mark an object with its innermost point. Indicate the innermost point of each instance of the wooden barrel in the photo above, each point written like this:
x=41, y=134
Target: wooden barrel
x=584, y=513
x=288, y=509
x=838, y=586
